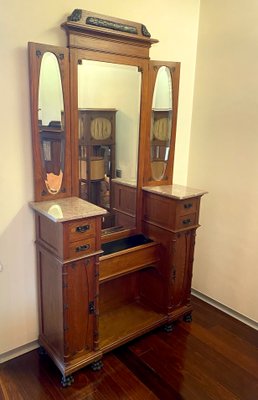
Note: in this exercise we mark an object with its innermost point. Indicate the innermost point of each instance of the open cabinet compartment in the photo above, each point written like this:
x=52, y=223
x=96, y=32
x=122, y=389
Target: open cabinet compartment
x=125, y=311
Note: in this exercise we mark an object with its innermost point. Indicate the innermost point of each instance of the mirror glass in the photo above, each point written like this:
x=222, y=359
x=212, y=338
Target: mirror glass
x=109, y=116
x=51, y=122
x=161, y=123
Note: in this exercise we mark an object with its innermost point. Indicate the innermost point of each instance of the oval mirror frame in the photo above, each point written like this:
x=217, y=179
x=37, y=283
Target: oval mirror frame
x=163, y=94
x=50, y=123
x=161, y=122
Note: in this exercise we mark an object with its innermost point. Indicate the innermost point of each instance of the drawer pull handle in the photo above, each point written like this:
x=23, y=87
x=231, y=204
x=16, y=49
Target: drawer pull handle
x=186, y=221
x=82, y=248
x=188, y=205
x=82, y=228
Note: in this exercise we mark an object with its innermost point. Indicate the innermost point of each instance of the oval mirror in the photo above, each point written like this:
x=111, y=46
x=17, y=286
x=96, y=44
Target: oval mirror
x=51, y=122
x=161, y=123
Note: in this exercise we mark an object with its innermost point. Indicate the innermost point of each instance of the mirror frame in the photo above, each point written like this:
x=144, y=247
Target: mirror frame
x=174, y=68
x=101, y=38
x=76, y=55
x=36, y=52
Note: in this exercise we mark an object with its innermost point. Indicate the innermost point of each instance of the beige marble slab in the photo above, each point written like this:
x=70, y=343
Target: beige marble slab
x=175, y=191
x=68, y=209
x=124, y=181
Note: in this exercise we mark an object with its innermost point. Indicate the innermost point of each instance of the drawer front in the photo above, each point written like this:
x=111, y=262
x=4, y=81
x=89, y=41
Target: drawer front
x=82, y=229
x=188, y=206
x=184, y=221
x=81, y=248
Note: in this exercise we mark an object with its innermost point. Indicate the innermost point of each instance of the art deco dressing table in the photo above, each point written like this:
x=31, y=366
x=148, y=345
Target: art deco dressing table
x=115, y=237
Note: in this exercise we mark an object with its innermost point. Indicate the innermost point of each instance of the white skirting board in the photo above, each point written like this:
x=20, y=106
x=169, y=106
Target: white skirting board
x=225, y=309
x=18, y=351
x=34, y=345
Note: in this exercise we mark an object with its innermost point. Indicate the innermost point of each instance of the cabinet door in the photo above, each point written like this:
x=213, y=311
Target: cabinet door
x=79, y=307
x=181, y=267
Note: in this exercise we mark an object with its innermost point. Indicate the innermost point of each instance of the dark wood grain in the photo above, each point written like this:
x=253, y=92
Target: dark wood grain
x=213, y=358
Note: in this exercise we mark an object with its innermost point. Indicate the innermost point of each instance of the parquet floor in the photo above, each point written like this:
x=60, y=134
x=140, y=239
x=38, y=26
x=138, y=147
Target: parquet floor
x=213, y=358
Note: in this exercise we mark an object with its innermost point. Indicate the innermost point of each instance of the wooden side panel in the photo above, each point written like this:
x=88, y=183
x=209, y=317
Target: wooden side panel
x=78, y=316
x=50, y=234
x=182, y=247
x=159, y=210
x=51, y=301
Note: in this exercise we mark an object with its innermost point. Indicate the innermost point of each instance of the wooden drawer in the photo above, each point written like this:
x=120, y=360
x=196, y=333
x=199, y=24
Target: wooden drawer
x=79, y=230
x=188, y=206
x=185, y=221
x=81, y=248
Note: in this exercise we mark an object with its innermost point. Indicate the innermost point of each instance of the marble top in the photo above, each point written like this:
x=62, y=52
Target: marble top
x=175, y=191
x=125, y=181
x=67, y=209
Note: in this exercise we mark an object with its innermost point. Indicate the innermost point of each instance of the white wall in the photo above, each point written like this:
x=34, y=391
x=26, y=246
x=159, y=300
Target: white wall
x=223, y=153
x=174, y=23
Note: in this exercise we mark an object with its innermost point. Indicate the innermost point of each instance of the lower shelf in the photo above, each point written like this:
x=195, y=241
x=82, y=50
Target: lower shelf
x=125, y=323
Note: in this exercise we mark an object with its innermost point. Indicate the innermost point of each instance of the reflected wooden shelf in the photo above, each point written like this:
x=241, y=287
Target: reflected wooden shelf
x=126, y=323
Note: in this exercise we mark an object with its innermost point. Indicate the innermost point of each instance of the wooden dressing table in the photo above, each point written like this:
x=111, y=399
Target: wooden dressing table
x=111, y=271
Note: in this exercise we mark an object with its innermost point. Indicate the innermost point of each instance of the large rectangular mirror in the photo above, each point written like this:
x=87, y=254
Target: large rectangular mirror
x=109, y=116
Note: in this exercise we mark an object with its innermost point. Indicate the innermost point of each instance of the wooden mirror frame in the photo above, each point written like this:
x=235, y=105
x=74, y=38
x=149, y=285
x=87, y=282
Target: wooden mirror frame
x=115, y=41
x=100, y=38
x=36, y=52
x=174, y=68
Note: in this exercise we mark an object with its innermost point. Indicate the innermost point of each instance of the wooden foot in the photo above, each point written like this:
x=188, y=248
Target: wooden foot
x=97, y=365
x=169, y=327
x=67, y=380
x=42, y=351
x=188, y=318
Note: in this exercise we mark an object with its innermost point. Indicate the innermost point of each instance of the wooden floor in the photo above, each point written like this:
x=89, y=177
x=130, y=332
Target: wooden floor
x=214, y=357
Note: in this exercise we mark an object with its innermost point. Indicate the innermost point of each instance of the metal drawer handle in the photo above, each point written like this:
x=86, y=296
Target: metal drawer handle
x=188, y=205
x=82, y=248
x=186, y=221
x=82, y=228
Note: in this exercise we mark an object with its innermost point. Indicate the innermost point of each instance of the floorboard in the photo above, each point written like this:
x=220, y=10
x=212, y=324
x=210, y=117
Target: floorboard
x=213, y=358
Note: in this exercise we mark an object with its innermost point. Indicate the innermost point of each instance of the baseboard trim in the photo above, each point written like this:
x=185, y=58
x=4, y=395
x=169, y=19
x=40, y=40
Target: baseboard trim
x=225, y=309
x=18, y=351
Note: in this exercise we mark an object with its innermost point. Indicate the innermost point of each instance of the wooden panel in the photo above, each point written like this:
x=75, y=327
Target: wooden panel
x=182, y=263
x=51, y=301
x=50, y=234
x=159, y=210
x=126, y=261
x=125, y=198
x=109, y=46
x=78, y=293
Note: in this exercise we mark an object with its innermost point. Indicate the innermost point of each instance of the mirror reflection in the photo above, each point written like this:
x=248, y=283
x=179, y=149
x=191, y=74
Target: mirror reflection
x=161, y=123
x=51, y=122
x=109, y=114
